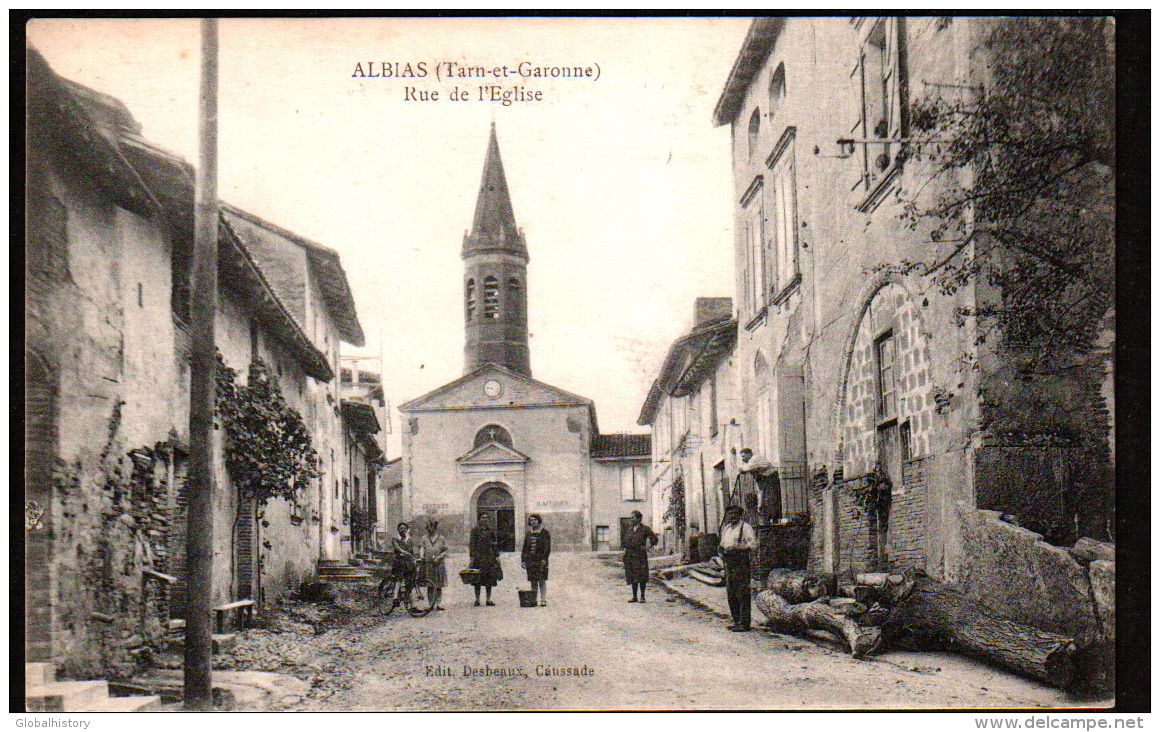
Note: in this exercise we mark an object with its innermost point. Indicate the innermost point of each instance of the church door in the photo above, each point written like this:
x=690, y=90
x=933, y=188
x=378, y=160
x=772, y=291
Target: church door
x=496, y=501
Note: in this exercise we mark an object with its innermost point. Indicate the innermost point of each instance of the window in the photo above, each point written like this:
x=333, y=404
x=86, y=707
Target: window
x=753, y=236
x=880, y=76
x=763, y=423
x=776, y=91
x=490, y=297
x=754, y=130
x=884, y=357
x=904, y=440
x=601, y=534
x=493, y=433
x=783, y=261
x=713, y=405
x=180, y=265
x=515, y=298
x=760, y=369
x=253, y=340
x=469, y=297
x=633, y=485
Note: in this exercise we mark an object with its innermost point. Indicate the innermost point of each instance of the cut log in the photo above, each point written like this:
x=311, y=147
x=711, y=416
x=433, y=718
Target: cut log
x=795, y=585
x=1089, y=550
x=798, y=618
x=848, y=606
x=935, y=609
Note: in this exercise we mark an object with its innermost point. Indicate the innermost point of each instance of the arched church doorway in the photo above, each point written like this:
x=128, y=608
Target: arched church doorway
x=496, y=500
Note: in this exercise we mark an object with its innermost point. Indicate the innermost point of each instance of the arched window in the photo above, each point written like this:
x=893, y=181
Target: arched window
x=515, y=298
x=776, y=90
x=760, y=369
x=469, y=298
x=490, y=297
x=754, y=130
x=492, y=433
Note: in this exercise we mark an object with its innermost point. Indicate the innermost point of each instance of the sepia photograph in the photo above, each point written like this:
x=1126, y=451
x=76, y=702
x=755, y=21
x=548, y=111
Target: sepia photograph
x=569, y=363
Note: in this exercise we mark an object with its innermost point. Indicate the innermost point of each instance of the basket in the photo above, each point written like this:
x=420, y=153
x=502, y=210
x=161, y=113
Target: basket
x=527, y=598
x=469, y=576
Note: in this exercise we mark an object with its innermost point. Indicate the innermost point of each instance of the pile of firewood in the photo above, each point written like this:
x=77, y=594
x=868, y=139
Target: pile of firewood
x=873, y=611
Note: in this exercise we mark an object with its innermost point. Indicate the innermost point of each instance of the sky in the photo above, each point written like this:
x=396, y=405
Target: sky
x=620, y=180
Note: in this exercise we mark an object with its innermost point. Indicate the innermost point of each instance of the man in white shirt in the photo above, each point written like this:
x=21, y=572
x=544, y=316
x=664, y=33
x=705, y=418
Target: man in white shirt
x=737, y=543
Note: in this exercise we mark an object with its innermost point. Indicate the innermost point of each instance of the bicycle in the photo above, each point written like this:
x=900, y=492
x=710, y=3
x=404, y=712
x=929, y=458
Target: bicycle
x=414, y=593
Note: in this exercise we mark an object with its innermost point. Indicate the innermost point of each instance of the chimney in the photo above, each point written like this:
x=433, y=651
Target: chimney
x=711, y=309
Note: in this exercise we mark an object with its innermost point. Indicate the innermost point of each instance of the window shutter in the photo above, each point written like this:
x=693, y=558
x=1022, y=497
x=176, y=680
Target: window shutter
x=626, y=477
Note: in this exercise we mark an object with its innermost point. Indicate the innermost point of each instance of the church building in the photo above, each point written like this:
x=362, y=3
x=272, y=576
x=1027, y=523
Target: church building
x=497, y=441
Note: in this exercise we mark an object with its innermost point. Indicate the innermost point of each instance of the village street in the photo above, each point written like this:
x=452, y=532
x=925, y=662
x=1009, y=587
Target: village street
x=660, y=655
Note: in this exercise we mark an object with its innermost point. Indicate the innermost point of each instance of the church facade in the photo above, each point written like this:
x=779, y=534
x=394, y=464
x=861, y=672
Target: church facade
x=496, y=441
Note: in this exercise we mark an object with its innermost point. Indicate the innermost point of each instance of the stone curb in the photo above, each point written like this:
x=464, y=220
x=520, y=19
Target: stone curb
x=691, y=600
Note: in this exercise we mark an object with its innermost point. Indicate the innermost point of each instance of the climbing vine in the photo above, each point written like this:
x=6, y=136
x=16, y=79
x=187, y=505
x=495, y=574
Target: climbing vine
x=676, y=509
x=268, y=449
x=872, y=494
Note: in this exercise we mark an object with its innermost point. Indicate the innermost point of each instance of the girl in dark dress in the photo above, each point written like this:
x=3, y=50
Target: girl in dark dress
x=636, y=540
x=483, y=549
x=534, y=556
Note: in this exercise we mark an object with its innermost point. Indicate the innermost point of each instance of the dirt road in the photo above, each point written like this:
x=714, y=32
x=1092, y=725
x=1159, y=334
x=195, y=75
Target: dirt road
x=618, y=655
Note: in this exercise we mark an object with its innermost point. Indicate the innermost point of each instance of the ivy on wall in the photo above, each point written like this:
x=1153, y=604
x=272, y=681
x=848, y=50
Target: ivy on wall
x=268, y=449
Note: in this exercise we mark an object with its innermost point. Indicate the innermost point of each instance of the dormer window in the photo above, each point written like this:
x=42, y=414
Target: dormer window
x=490, y=297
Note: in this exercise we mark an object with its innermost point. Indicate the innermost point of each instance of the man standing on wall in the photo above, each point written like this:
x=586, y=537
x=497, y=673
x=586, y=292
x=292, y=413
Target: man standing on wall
x=737, y=542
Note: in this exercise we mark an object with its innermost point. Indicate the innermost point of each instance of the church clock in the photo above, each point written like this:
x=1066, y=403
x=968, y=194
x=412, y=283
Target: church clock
x=493, y=388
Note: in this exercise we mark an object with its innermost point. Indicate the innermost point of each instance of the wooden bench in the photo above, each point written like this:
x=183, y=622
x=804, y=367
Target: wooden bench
x=245, y=610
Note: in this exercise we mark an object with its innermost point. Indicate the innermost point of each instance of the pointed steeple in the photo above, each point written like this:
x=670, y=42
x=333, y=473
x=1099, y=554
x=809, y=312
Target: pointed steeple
x=494, y=225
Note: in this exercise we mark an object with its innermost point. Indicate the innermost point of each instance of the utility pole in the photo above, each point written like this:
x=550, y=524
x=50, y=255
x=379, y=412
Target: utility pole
x=198, y=690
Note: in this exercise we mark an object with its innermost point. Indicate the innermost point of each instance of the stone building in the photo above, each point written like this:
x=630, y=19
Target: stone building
x=620, y=460
x=108, y=250
x=365, y=422
x=854, y=364
x=496, y=440
x=362, y=460
x=693, y=411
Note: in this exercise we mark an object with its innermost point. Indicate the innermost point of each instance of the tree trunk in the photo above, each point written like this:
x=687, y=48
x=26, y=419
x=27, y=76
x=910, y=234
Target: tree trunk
x=936, y=609
x=796, y=585
x=797, y=619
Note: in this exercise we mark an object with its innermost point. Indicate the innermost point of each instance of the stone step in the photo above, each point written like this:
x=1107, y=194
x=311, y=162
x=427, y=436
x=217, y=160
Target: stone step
x=39, y=673
x=331, y=563
x=65, y=696
x=348, y=579
x=129, y=704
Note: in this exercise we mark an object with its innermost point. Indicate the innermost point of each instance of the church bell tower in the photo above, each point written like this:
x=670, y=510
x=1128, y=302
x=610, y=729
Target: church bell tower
x=495, y=286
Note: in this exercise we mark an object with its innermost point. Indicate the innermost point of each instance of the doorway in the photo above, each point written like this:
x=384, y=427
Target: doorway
x=496, y=501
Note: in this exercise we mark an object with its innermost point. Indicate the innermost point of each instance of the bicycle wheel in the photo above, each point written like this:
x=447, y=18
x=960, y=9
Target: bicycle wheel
x=386, y=596
x=422, y=600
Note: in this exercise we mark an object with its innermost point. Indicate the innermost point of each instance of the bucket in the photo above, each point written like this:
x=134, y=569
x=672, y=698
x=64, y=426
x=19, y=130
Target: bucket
x=527, y=598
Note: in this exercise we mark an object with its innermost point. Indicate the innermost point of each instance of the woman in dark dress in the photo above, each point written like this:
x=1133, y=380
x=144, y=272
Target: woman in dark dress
x=483, y=549
x=404, y=554
x=534, y=556
x=636, y=540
